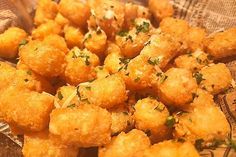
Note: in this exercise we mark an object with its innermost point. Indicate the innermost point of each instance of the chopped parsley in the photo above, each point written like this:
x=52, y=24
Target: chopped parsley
x=71, y=106
x=154, y=61
x=147, y=43
x=199, y=77
x=129, y=37
x=231, y=143
x=88, y=87
x=199, y=144
x=85, y=100
x=215, y=143
x=23, y=42
x=137, y=79
x=89, y=36
x=59, y=95
x=125, y=63
x=170, y=121
x=181, y=140
x=144, y=27
x=162, y=77
x=29, y=72
x=123, y=33
x=125, y=113
x=159, y=107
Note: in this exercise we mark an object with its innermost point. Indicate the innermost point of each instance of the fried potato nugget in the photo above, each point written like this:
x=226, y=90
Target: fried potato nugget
x=46, y=10
x=43, y=59
x=26, y=110
x=160, y=49
x=56, y=41
x=83, y=126
x=139, y=73
x=132, y=42
x=194, y=38
x=222, y=44
x=134, y=11
x=76, y=11
x=203, y=120
x=160, y=9
x=176, y=87
x=105, y=92
x=7, y=74
x=10, y=41
x=121, y=121
x=43, y=30
x=66, y=96
x=215, y=78
x=193, y=61
x=101, y=72
x=107, y=14
x=80, y=66
x=112, y=62
x=171, y=149
x=40, y=144
x=96, y=41
x=74, y=36
x=150, y=116
x=125, y=145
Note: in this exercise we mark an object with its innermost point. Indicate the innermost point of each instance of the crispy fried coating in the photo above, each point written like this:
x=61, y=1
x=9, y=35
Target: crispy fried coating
x=80, y=66
x=74, y=36
x=160, y=9
x=76, y=11
x=170, y=149
x=56, y=41
x=40, y=144
x=10, y=41
x=112, y=61
x=105, y=92
x=26, y=110
x=176, y=87
x=222, y=44
x=150, y=116
x=83, y=126
x=61, y=20
x=44, y=59
x=49, y=27
x=194, y=38
x=215, y=78
x=125, y=145
x=7, y=74
x=46, y=10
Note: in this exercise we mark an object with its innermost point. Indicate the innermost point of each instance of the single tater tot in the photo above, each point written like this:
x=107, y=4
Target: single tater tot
x=50, y=27
x=101, y=72
x=32, y=81
x=215, y=78
x=96, y=41
x=66, y=96
x=7, y=74
x=107, y=14
x=146, y=113
x=56, y=41
x=46, y=10
x=160, y=49
x=106, y=92
x=194, y=38
x=40, y=144
x=76, y=11
x=125, y=145
x=121, y=120
x=83, y=126
x=160, y=9
x=73, y=36
x=10, y=40
x=112, y=62
x=170, y=149
x=139, y=73
x=43, y=59
x=26, y=110
x=133, y=11
x=204, y=120
x=80, y=66
x=61, y=20
x=132, y=42
x=193, y=61
x=222, y=44
x=175, y=27
x=176, y=87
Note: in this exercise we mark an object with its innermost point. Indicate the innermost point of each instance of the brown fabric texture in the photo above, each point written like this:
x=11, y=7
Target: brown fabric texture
x=213, y=15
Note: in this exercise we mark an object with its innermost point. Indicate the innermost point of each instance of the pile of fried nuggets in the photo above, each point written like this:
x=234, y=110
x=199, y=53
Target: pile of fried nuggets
x=98, y=74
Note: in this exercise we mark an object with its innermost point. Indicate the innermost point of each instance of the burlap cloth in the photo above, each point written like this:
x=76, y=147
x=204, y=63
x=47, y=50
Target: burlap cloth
x=214, y=15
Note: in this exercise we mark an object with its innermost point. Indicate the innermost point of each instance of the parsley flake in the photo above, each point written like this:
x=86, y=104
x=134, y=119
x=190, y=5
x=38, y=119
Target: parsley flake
x=71, y=106
x=199, y=77
x=170, y=121
x=144, y=27
x=199, y=144
x=59, y=95
x=123, y=33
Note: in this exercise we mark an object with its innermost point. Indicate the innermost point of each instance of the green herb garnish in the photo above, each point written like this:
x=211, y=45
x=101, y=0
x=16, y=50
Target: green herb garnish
x=199, y=144
x=123, y=33
x=144, y=27
x=170, y=121
x=199, y=77
x=59, y=95
x=71, y=106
